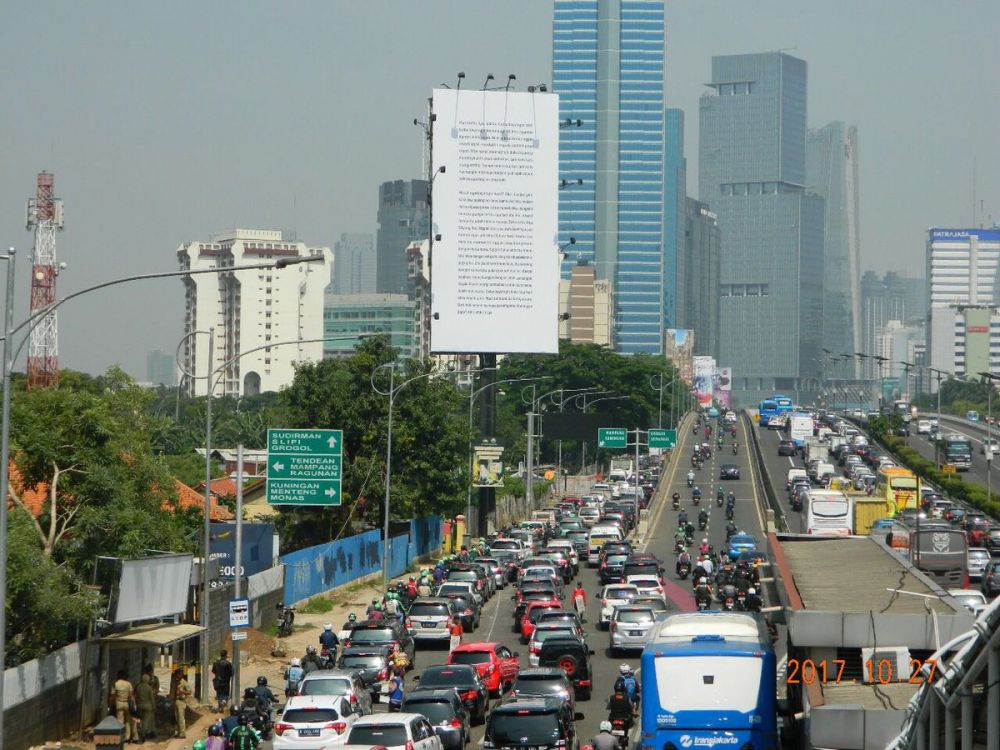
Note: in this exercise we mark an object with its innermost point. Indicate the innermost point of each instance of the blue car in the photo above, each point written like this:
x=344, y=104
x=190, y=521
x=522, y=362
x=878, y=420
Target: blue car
x=882, y=524
x=739, y=543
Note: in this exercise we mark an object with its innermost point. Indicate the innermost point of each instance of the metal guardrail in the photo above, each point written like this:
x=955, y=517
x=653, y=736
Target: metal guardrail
x=758, y=457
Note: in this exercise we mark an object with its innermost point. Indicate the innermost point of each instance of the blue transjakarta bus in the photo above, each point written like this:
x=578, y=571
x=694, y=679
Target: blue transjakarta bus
x=773, y=406
x=709, y=681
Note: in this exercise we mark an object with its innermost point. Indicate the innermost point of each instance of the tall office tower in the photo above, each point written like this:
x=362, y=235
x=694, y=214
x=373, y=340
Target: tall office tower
x=893, y=297
x=675, y=213
x=832, y=172
x=402, y=219
x=354, y=264
x=752, y=171
x=700, y=281
x=160, y=369
x=250, y=310
x=963, y=283
x=607, y=67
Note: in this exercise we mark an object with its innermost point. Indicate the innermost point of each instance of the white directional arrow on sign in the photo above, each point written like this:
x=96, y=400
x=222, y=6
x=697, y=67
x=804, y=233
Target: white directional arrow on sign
x=332, y=442
x=278, y=466
x=330, y=492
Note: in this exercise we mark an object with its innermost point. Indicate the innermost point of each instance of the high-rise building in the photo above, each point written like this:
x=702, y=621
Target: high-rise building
x=607, y=67
x=586, y=307
x=348, y=314
x=402, y=219
x=160, y=368
x=893, y=297
x=354, y=264
x=700, y=282
x=675, y=213
x=963, y=289
x=250, y=309
x=832, y=172
x=752, y=173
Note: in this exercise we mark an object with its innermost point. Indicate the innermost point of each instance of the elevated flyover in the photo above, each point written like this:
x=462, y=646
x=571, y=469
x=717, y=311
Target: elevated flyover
x=845, y=601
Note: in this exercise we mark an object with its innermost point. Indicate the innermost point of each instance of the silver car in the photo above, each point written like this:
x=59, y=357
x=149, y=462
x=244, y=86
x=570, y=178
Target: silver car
x=630, y=627
x=979, y=559
x=429, y=617
x=497, y=570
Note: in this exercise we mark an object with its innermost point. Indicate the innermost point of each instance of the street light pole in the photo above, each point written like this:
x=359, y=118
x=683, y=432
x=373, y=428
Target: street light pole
x=937, y=441
x=989, y=377
x=8, y=364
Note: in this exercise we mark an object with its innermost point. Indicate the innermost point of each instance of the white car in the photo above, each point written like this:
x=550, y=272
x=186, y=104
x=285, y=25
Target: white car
x=990, y=443
x=396, y=731
x=648, y=585
x=923, y=427
x=614, y=595
x=972, y=600
x=459, y=587
x=309, y=721
x=589, y=516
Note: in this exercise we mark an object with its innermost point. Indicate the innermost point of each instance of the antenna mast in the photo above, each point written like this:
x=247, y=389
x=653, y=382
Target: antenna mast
x=45, y=216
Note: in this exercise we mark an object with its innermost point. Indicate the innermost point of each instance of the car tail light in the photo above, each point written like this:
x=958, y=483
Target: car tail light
x=353, y=699
x=408, y=745
x=468, y=695
x=613, y=625
x=468, y=611
x=533, y=649
x=337, y=726
x=409, y=622
x=280, y=728
x=456, y=723
x=965, y=583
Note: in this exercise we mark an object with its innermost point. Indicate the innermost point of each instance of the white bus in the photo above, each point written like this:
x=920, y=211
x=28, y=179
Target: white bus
x=829, y=513
x=800, y=427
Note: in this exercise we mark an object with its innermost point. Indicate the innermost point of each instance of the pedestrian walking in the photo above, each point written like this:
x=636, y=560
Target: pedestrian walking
x=396, y=691
x=222, y=680
x=580, y=600
x=182, y=691
x=456, y=631
x=145, y=702
x=122, y=698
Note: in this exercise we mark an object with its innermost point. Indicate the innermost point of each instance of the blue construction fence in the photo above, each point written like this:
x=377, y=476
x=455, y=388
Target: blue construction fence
x=313, y=570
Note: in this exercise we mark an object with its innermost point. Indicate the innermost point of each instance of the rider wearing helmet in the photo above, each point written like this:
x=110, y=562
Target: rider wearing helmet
x=264, y=695
x=311, y=662
x=628, y=684
x=243, y=736
x=293, y=677
x=604, y=740
x=328, y=639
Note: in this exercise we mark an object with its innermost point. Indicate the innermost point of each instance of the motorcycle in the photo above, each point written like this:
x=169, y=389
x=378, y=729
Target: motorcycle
x=327, y=658
x=702, y=523
x=286, y=618
x=702, y=605
x=620, y=731
x=690, y=481
x=730, y=512
x=676, y=502
x=679, y=547
x=696, y=499
x=683, y=570
x=728, y=605
x=718, y=501
x=735, y=449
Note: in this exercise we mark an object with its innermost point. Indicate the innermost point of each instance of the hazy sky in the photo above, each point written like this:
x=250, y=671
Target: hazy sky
x=165, y=122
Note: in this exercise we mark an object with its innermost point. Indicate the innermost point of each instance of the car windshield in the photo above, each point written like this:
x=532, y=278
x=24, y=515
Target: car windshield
x=506, y=544
x=363, y=661
x=542, y=684
x=470, y=657
x=446, y=677
x=619, y=593
x=325, y=686
x=309, y=715
x=428, y=610
x=437, y=712
x=378, y=734
x=979, y=554
x=523, y=727
x=453, y=589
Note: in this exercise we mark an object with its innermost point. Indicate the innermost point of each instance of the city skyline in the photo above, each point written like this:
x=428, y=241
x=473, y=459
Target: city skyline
x=155, y=138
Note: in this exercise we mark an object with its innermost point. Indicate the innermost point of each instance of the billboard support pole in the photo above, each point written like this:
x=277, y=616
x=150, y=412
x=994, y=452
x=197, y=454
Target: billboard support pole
x=238, y=567
x=487, y=426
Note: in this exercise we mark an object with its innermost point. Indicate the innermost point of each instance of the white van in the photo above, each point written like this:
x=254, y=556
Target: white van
x=598, y=536
x=618, y=475
x=690, y=624
x=823, y=469
x=794, y=474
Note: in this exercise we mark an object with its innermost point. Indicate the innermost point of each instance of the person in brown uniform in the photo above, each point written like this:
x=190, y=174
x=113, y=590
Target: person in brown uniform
x=145, y=702
x=121, y=694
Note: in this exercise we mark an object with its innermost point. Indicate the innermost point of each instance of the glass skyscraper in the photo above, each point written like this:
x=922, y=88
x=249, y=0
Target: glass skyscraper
x=752, y=170
x=607, y=67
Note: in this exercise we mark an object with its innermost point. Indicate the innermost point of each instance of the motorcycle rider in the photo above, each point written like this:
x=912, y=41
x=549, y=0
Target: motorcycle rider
x=684, y=558
x=690, y=477
x=702, y=518
x=629, y=685
x=707, y=565
x=736, y=447
x=374, y=608
x=689, y=532
x=719, y=495
x=696, y=494
x=328, y=639
x=703, y=547
x=703, y=594
x=265, y=698
x=682, y=518
x=731, y=529
x=680, y=537
x=293, y=677
x=753, y=602
x=604, y=740
x=676, y=498
x=311, y=661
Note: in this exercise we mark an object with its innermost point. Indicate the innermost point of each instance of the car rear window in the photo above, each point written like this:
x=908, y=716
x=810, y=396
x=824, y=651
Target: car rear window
x=541, y=635
x=429, y=610
x=619, y=594
x=539, y=684
x=362, y=662
x=979, y=554
x=639, y=615
x=445, y=677
x=462, y=575
x=325, y=686
x=375, y=635
x=309, y=715
x=470, y=657
x=533, y=617
x=380, y=734
x=523, y=727
x=437, y=712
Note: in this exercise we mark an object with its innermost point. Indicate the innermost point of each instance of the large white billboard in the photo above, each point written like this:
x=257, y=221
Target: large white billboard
x=495, y=197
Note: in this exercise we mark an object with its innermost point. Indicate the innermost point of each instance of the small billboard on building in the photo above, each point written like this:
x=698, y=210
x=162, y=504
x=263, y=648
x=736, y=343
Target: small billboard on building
x=495, y=197
x=678, y=346
x=487, y=468
x=722, y=386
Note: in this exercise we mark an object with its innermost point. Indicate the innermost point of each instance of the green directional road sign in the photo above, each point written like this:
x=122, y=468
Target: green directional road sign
x=612, y=437
x=304, y=467
x=662, y=438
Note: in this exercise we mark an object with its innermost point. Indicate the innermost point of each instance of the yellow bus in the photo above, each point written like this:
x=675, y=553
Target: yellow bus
x=899, y=487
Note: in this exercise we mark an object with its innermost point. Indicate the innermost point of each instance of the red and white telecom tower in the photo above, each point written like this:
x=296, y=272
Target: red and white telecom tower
x=45, y=216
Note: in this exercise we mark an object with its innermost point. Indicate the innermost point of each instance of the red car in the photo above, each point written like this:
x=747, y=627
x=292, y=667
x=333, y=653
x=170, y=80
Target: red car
x=496, y=664
x=531, y=613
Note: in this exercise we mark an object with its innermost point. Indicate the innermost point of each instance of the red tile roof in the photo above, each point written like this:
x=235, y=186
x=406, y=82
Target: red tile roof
x=221, y=487
x=188, y=497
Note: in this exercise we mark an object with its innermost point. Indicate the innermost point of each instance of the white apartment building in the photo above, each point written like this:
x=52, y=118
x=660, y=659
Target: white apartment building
x=962, y=267
x=250, y=309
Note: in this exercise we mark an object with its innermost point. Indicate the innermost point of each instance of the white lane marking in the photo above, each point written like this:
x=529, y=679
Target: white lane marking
x=790, y=460
x=496, y=611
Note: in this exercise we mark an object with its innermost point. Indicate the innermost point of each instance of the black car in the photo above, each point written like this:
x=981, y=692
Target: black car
x=388, y=632
x=786, y=448
x=611, y=568
x=466, y=605
x=581, y=542
x=470, y=574
x=446, y=713
x=544, y=682
x=370, y=664
x=465, y=680
x=572, y=656
x=729, y=471
x=538, y=723
x=992, y=541
x=648, y=566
